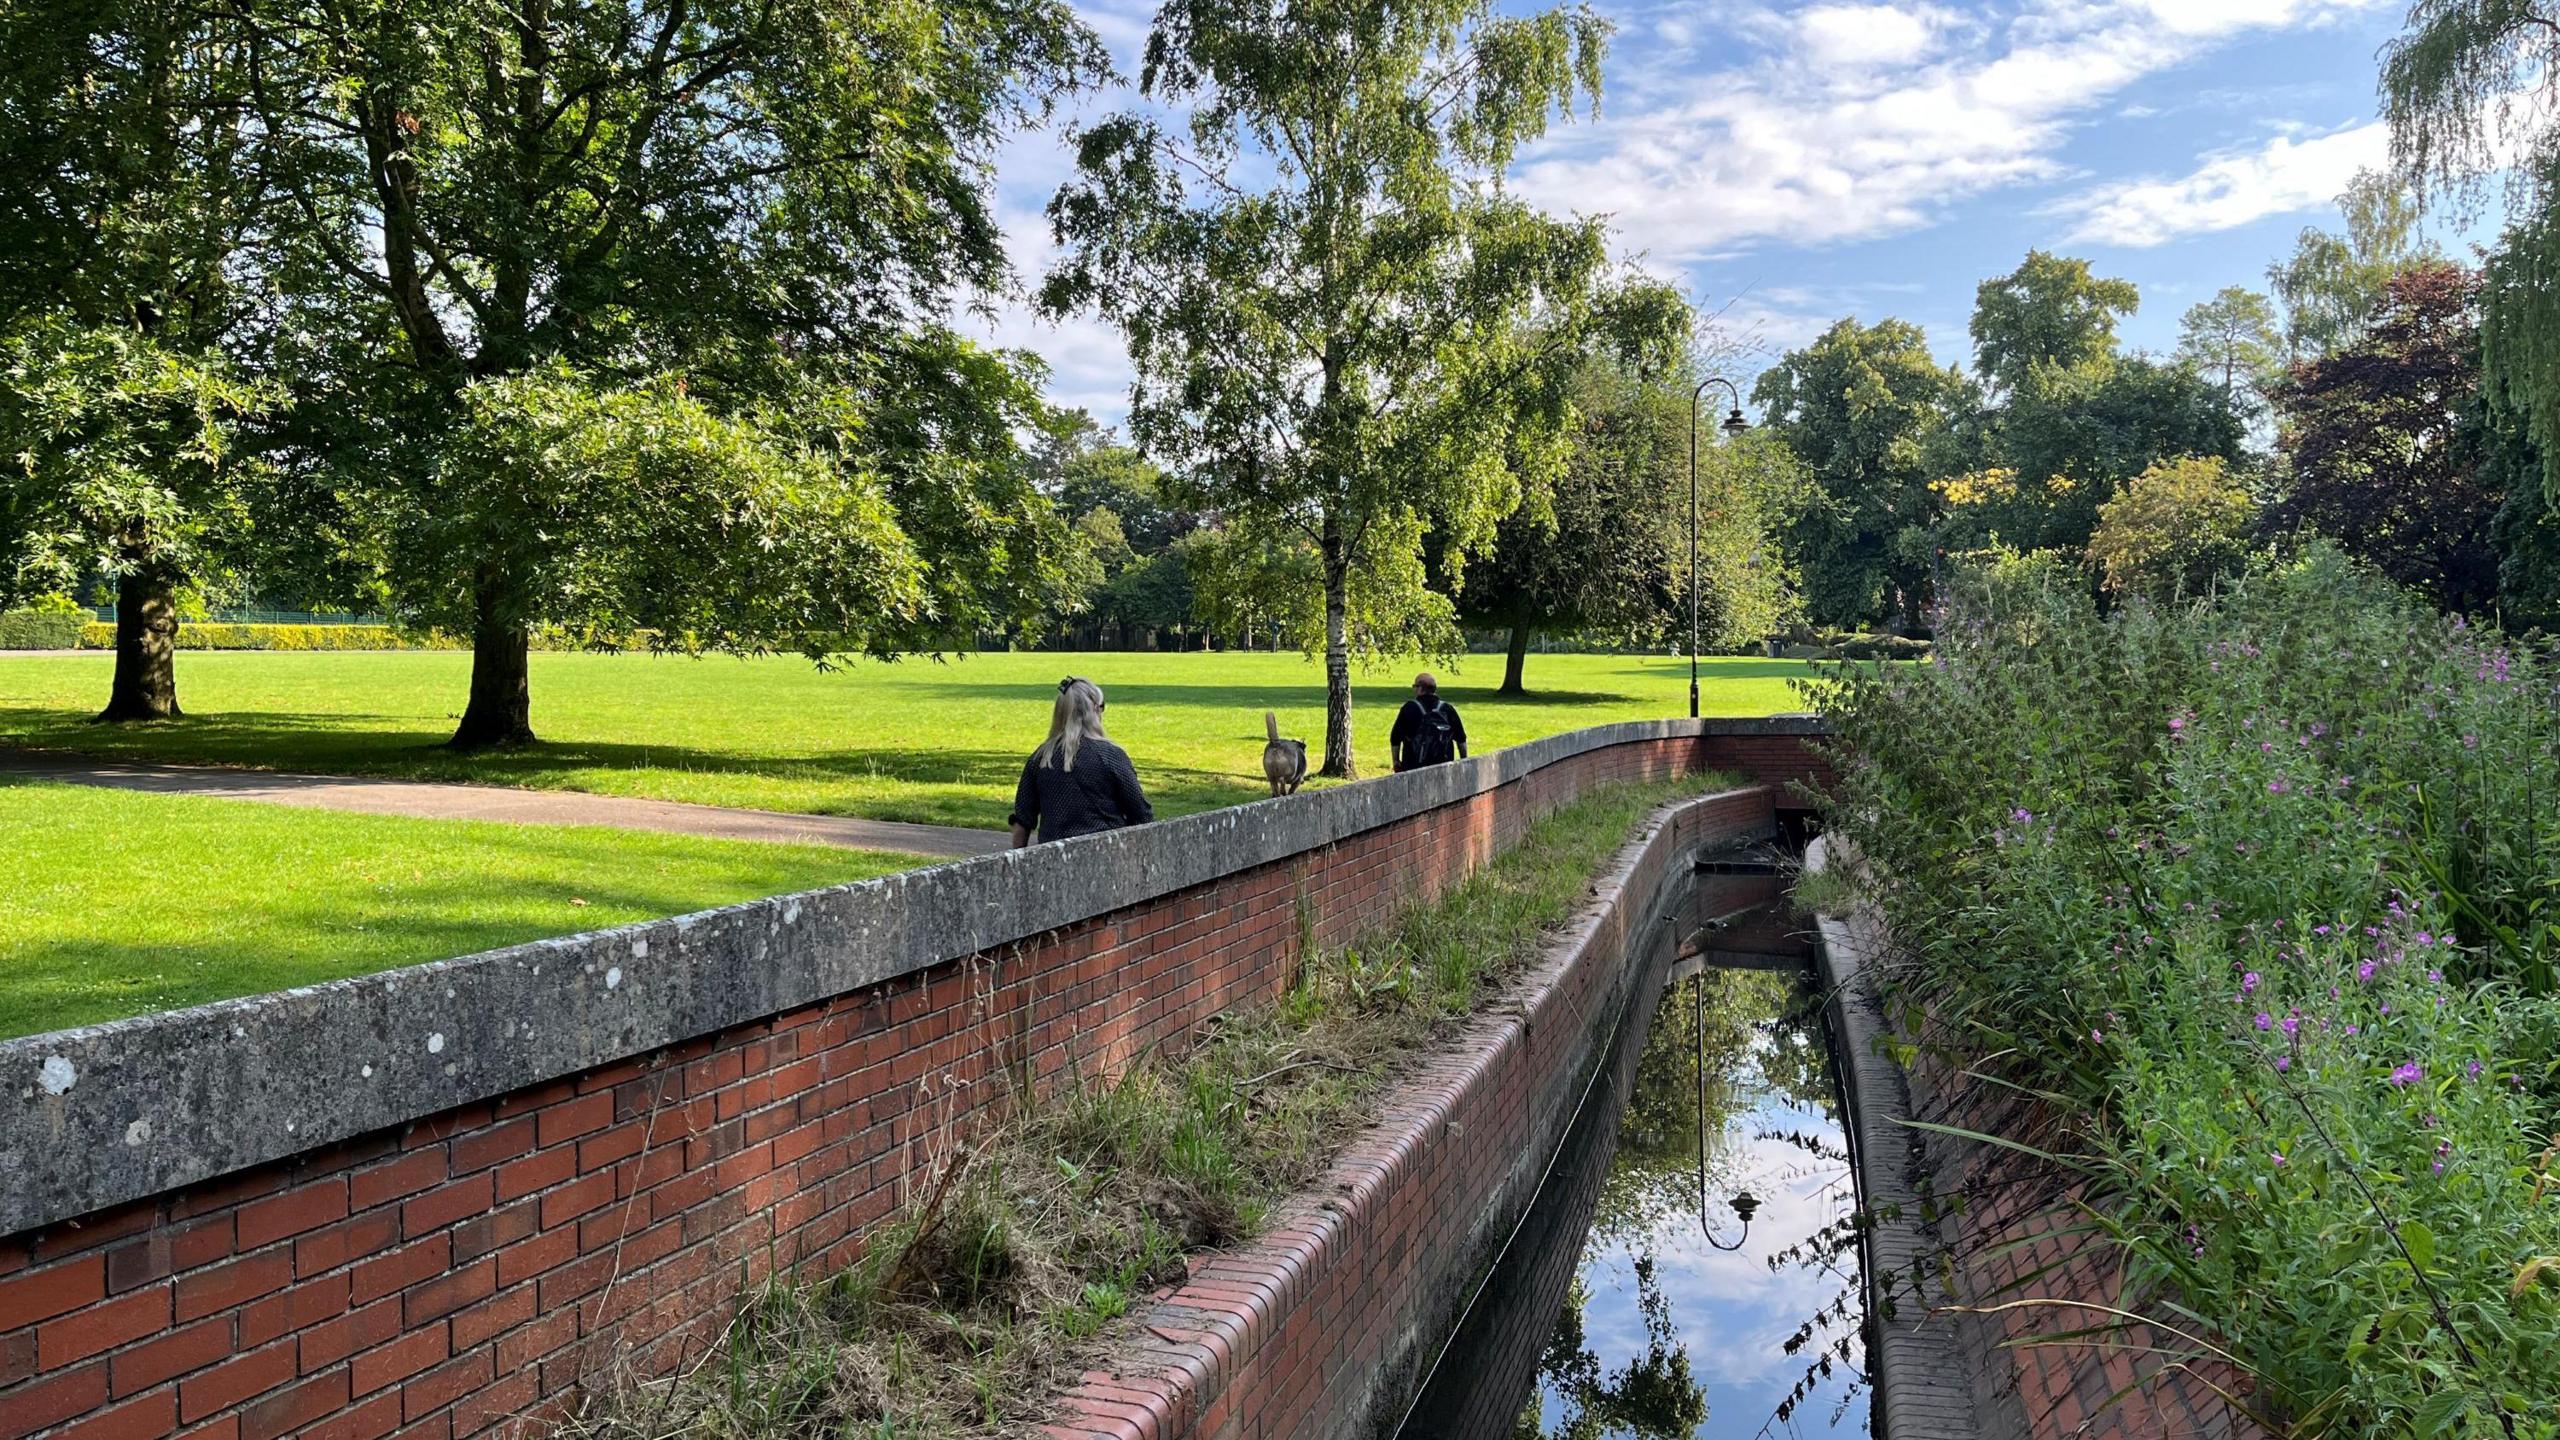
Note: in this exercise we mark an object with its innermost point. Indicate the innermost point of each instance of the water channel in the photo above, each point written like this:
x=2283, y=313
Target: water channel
x=1688, y=1268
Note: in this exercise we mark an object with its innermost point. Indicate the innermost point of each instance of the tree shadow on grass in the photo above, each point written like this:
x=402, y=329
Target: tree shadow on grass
x=1249, y=701
x=952, y=786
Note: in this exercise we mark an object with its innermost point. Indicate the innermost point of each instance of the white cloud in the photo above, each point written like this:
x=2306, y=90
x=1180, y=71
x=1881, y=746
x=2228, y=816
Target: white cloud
x=2227, y=191
x=1784, y=149
x=1865, y=35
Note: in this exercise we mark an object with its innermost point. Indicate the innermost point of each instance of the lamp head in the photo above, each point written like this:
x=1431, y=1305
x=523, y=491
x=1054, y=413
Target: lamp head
x=1744, y=1202
x=1734, y=424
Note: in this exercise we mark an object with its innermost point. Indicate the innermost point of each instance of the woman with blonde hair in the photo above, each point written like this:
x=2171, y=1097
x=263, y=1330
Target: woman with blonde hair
x=1077, y=782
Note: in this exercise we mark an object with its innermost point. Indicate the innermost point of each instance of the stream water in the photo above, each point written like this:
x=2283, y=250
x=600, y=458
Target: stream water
x=1633, y=1300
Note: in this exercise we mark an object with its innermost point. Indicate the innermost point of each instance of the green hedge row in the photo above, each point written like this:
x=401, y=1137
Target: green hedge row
x=97, y=635
x=39, y=630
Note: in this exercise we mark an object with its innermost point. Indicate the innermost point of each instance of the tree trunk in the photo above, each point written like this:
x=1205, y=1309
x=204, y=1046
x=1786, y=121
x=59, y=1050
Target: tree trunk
x=146, y=680
x=1339, y=761
x=501, y=708
x=1515, y=662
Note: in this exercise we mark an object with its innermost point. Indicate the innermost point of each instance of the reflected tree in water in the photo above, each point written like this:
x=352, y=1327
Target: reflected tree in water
x=1654, y=1396
x=1655, y=1173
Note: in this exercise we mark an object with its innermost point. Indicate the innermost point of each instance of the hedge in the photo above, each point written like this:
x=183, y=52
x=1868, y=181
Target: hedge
x=40, y=630
x=224, y=635
x=98, y=635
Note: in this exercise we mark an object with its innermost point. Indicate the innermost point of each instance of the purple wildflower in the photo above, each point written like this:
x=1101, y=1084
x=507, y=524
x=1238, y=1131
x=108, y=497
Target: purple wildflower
x=2408, y=1074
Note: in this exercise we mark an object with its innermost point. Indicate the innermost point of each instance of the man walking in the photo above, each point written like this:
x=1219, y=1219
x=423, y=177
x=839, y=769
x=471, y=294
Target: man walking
x=1427, y=730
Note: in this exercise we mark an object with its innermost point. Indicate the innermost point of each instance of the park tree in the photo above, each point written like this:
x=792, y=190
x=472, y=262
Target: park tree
x=2334, y=281
x=1343, y=328
x=2049, y=312
x=2174, y=530
x=129, y=191
x=2097, y=426
x=2234, y=339
x=2469, y=91
x=1596, y=556
x=746, y=214
x=1865, y=407
x=2381, y=442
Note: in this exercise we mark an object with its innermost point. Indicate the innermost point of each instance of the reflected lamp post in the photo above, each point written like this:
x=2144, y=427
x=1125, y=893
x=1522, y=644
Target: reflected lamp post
x=1733, y=424
x=1744, y=1203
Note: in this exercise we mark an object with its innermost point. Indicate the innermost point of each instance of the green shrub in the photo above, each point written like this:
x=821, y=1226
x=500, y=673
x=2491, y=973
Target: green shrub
x=39, y=630
x=226, y=635
x=2264, y=895
x=223, y=635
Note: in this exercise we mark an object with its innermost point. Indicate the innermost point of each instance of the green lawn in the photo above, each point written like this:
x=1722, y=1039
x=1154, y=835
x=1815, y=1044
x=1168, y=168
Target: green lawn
x=917, y=740
x=118, y=903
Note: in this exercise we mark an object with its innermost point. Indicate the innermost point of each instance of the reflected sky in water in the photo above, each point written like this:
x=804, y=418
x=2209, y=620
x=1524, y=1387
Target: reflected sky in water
x=1661, y=1334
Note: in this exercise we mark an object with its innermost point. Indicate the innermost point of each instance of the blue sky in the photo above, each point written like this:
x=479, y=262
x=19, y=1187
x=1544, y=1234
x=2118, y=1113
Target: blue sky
x=1793, y=163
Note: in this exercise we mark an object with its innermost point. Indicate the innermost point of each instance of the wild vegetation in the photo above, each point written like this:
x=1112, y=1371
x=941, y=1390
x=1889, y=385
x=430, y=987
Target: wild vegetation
x=2258, y=901
x=1018, y=1249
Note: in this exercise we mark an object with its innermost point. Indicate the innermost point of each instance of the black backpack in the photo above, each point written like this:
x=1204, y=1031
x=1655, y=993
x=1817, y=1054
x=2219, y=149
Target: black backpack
x=1435, y=740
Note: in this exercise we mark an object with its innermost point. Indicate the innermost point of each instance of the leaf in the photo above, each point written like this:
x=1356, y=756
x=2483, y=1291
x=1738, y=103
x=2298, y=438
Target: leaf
x=2419, y=1241
x=2532, y=1270
x=2438, y=1411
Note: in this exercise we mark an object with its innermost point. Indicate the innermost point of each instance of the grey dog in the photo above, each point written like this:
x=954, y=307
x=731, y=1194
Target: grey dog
x=1284, y=762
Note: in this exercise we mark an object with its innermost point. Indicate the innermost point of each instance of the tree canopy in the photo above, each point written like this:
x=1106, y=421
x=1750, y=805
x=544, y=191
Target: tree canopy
x=2381, y=440
x=1862, y=406
x=752, y=218
x=1341, y=326
x=2334, y=281
x=2050, y=311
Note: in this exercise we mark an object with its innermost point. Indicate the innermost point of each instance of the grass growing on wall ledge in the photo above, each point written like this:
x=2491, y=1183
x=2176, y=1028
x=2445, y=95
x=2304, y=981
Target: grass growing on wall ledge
x=975, y=1305
x=2263, y=897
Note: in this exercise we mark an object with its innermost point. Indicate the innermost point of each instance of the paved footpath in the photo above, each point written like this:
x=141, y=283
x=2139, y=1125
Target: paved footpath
x=498, y=802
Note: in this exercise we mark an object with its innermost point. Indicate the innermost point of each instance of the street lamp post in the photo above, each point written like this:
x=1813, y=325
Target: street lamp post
x=1734, y=424
x=1744, y=1203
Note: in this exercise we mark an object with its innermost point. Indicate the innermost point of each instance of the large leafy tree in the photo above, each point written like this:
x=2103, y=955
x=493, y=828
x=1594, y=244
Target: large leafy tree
x=2234, y=340
x=2335, y=280
x=2049, y=312
x=1866, y=407
x=2174, y=530
x=1341, y=326
x=2469, y=91
x=2094, y=427
x=129, y=190
x=1597, y=555
x=2383, y=445
x=768, y=203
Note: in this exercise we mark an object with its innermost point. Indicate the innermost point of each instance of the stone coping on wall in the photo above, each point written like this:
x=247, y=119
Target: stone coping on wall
x=1325, y=1325
x=1924, y=1386
x=96, y=1116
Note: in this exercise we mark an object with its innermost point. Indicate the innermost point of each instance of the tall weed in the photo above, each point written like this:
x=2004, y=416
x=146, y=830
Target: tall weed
x=2262, y=891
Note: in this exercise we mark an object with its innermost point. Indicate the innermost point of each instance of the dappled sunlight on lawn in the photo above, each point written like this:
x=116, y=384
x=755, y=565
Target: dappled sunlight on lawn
x=922, y=740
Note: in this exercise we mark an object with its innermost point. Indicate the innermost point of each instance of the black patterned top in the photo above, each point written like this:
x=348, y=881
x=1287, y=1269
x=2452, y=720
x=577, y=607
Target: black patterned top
x=1101, y=793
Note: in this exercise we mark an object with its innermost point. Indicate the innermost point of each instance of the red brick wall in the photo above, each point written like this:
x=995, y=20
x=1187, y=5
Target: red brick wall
x=2019, y=1237
x=433, y=1280
x=1320, y=1327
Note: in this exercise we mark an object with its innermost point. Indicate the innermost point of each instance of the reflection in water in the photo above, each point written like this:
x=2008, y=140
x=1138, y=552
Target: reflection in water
x=1626, y=1306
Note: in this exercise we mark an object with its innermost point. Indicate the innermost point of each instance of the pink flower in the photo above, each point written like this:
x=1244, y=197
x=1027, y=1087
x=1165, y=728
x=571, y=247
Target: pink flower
x=2277, y=1157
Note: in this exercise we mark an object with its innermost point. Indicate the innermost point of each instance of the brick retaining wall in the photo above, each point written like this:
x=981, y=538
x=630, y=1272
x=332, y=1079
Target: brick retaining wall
x=423, y=1203
x=1323, y=1327
x=1945, y=1372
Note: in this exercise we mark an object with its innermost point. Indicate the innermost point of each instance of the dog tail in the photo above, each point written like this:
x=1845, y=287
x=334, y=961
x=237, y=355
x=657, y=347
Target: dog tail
x=1271, y=726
